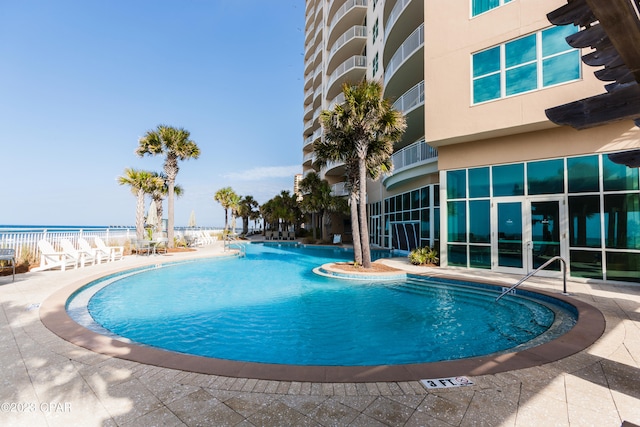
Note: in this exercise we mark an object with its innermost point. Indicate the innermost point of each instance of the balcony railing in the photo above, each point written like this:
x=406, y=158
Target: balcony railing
x=411, y=99
x=413, y=154
x=350, y=4
x=337, y=100
x=351, y=33
x=394, y=15
x=414, y=42
x=353, y=62
x=339, y=189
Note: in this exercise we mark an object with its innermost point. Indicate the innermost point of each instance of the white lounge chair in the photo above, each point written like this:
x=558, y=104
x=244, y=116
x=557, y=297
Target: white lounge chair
x=50, y=258
x=114, y=252
x=337, y=239
x=9, y=255
x=97, y=254
x=80, y=256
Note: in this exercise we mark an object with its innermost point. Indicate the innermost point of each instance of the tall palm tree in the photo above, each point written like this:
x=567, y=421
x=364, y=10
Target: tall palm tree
x=140, y=182
x=247, y=211
x=158, y=190
x=317, y=200
x=367, y=126
x=175, y=145
x=234, y=207
x=224, y=196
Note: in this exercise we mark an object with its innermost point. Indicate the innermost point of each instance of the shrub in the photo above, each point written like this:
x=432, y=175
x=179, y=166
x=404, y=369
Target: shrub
x=423, y=256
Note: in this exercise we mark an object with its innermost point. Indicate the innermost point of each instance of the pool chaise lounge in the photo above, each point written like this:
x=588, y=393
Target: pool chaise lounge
x=113, y=252
x=50, y=258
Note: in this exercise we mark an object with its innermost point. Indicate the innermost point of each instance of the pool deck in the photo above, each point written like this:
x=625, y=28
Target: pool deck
x=47, y=381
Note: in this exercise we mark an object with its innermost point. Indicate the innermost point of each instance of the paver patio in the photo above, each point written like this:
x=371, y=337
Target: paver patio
x=47, y=381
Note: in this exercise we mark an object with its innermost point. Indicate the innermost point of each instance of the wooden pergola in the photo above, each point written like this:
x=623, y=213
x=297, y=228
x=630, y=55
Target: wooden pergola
x=611, y=28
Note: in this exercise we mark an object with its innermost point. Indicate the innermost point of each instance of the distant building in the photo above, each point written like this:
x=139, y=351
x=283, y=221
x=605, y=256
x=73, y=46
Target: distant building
x=296, y=185
x=481, y=173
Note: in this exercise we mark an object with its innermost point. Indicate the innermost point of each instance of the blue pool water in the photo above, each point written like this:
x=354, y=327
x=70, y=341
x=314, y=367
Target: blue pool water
x=270, y=307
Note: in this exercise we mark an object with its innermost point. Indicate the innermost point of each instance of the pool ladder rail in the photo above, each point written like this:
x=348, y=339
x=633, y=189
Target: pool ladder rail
x=233, y=243
x=542, y=267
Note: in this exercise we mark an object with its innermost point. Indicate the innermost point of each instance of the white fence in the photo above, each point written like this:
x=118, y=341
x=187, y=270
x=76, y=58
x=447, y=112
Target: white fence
x=26, y=240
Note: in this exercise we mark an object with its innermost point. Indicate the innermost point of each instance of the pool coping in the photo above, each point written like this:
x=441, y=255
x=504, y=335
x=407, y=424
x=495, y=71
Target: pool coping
x=589, y=327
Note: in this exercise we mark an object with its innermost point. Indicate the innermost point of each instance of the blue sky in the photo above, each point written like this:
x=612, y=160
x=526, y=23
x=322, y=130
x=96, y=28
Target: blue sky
x=82, y=80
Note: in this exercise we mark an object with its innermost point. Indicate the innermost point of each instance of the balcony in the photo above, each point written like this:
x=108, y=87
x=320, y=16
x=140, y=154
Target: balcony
x=412, y=44
x=352, y=42
x=339, y=189
x=411, y=104
x=412, y=162
x=307, y=159
x=404, y=17
x=411, y=99
x=352, y=12
x=353, y=69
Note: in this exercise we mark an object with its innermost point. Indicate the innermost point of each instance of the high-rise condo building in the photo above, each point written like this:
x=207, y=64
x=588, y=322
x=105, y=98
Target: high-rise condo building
x=482, y=173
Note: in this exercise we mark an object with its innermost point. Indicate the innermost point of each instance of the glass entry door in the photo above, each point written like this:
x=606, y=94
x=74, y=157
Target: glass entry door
x=527, y=233
x=510, y=235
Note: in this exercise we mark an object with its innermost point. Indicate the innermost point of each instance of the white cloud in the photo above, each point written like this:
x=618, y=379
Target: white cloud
x=266, y=172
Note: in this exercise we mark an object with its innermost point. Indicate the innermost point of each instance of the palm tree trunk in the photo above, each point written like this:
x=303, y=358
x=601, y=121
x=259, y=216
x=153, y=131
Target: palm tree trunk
x=355, y=228
x=140, y=215
x=314, y=224
x=364, y=223
x=170, y=212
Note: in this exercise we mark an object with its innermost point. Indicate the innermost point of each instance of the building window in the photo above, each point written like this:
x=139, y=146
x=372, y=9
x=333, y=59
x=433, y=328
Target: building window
x=375, y=32
x=525, y=64
x=411, y=219
x=481, y=6
x=374, y=66
x=374, y=4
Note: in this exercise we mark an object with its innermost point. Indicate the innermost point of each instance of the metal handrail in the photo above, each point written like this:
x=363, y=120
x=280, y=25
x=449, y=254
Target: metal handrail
x=232, y=243
x=564, y=276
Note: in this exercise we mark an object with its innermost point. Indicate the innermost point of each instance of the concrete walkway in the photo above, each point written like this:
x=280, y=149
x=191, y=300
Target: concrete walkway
x=46, y=381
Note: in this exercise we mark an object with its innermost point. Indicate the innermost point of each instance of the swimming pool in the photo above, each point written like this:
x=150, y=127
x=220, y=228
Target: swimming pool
x=270, y=308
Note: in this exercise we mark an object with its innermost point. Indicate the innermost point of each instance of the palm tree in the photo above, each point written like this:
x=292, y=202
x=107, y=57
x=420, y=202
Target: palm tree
x=234, y=206
x=175, y=145
x=158, y=190
x=317, y=199
x=140, y=182
x=247, y=210
x=224, y=196
x=364, y=128
x=282, y=210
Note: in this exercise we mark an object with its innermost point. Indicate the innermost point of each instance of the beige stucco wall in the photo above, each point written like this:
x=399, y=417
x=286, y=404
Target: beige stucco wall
x=556, y=142
x=451, y=37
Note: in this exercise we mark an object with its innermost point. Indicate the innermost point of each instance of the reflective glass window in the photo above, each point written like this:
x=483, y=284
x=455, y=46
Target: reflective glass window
x=545, y=177
x=456, y=184
x=480, y=256
x=586, y=264
x=425, y=224
x=520, y=51
x=424, y=197
x=584, y=221
x=479, y=185
x=479, y=221
x=618, y=177
x=622, y=221
x=623, y=266
x=415, y=199
x=521, y=79
x=457, y=221
x=583, y=174
x=457, y=255
x=561, y=68
x=508, y=180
